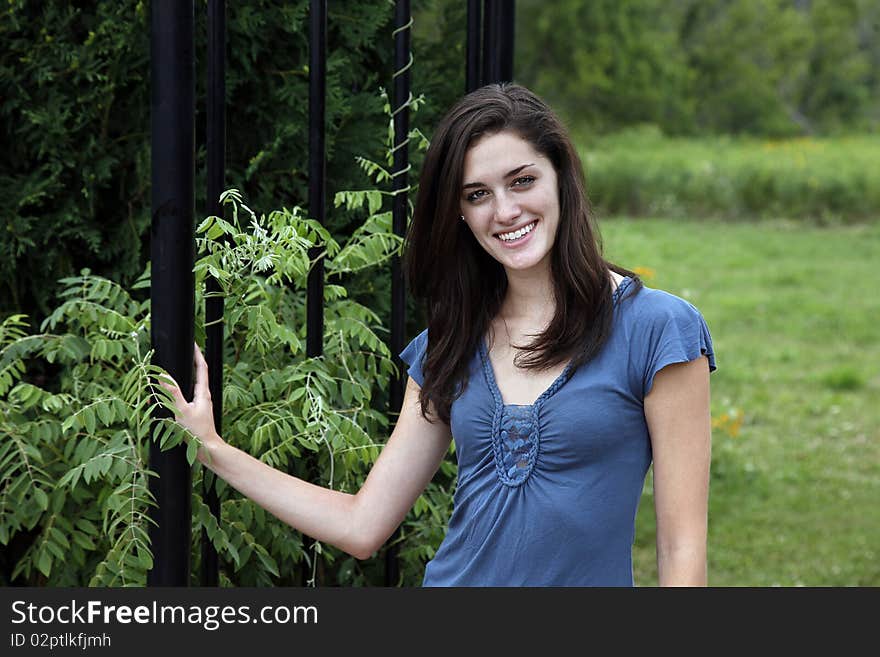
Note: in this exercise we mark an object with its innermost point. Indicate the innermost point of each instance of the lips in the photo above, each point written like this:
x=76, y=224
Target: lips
x=532, y=223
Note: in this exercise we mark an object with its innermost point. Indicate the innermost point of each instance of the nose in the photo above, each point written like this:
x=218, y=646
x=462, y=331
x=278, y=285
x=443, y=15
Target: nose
x=506, y=208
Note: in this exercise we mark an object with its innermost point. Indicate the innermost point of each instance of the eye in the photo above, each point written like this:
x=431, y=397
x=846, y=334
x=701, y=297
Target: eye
x=523, y=181
x=476, y=195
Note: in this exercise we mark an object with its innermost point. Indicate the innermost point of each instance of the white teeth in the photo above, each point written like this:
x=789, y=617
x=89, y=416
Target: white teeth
x=517, y=233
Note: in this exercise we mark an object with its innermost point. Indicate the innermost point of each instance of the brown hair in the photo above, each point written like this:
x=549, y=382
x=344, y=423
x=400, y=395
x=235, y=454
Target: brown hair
x=463, y=286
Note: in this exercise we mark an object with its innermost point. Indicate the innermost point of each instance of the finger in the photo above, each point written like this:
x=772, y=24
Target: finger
x=168, y=382
x=201, y=387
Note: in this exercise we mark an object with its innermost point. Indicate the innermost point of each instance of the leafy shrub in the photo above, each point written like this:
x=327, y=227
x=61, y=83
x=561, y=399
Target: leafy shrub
x=73, y=460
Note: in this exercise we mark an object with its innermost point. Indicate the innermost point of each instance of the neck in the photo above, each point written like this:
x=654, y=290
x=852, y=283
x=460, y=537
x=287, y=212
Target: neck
x=530, y=297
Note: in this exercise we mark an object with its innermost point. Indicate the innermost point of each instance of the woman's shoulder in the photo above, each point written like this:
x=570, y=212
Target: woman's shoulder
x=648, y=303
x=660, y=328
x=656, y=314
x=422, y=337
x=413, y=355
x=416, y=347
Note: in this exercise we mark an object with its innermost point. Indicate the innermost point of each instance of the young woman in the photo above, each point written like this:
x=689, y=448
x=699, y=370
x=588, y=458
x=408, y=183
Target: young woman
x=558, y=374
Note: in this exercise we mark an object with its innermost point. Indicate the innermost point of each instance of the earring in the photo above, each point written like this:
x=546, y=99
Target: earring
x=462, y=217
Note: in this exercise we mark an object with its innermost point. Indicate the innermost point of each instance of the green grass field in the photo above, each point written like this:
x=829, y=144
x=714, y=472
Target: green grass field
x=793, y=309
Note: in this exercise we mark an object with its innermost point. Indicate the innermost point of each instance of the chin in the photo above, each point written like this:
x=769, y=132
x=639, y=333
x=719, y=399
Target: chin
x=521, y=264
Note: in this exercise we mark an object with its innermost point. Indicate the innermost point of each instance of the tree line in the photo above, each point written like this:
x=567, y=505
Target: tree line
x=776, y=68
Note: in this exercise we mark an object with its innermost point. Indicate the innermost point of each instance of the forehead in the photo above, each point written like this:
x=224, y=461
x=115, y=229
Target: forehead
x=496, y=154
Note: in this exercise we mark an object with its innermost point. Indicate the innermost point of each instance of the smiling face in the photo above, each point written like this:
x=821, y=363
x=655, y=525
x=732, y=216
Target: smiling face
x=510, y=200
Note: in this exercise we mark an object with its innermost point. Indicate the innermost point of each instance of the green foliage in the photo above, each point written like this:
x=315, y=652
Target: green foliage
x=76, y=163
x=840, y=63
x=278, y=404
x=761, y=67
x=75, y=82
x=74, y=460
x=641, y=173
x=439, y=36
x=604, y=63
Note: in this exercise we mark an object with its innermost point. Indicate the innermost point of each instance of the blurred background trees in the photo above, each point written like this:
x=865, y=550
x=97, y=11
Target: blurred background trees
x=760, y=67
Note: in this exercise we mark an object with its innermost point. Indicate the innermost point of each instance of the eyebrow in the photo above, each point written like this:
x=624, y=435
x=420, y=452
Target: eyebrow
x=510, y=173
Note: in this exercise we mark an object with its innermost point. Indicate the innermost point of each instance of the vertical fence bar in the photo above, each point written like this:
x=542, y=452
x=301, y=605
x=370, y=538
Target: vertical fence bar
x=489, y=34
x=317, y=169
x=498, y=21
x=172, y=295
x=506, y=22
x=215, y=142
x=400, y=184
x=472, y=50
x=317, y=172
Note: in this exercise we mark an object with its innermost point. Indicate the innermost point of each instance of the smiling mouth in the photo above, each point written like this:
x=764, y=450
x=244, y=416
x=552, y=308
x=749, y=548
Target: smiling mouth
x=515, y=235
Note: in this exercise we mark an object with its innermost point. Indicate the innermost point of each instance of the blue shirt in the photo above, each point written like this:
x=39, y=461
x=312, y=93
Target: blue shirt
x=547, y=493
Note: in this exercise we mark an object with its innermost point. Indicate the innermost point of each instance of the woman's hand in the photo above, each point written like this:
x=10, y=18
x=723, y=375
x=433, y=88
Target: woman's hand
x=197, y=415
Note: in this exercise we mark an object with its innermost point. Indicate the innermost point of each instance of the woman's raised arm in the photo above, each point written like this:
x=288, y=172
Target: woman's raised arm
x=358, y=524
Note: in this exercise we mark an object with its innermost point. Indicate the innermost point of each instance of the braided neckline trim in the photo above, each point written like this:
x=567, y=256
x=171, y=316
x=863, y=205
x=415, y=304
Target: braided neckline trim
x=518, y=475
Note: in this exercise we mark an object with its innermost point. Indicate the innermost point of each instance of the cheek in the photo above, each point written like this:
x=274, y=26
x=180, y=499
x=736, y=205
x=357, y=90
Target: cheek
x=549, y=205
x=551, y=217
x=545, y=194
x=479, y=218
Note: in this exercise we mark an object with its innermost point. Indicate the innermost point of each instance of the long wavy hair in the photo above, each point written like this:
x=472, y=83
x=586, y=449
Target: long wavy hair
x=463, y=286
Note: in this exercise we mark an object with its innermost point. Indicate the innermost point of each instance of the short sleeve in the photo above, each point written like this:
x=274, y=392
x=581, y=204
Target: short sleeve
x=671, y=330
x=414, y=355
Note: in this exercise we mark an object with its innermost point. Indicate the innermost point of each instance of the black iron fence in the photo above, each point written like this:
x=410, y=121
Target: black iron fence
x=489, y=59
